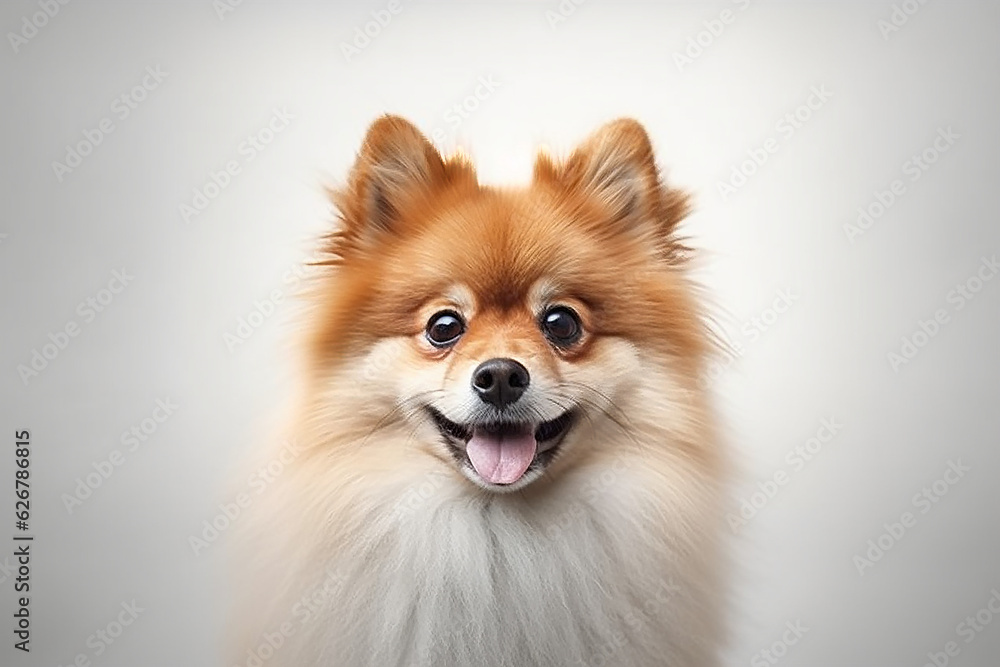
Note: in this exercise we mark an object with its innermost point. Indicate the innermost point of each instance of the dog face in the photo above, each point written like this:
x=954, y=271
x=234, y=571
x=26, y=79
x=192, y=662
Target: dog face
x=509, y=332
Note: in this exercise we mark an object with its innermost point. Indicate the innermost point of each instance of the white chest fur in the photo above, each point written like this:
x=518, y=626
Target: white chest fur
x=597, y=572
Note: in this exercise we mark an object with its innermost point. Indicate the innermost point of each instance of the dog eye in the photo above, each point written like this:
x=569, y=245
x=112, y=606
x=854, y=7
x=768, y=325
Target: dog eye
x=561, y=326
x=444, y=328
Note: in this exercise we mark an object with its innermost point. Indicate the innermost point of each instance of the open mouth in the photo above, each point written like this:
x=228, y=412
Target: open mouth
x=502, y=453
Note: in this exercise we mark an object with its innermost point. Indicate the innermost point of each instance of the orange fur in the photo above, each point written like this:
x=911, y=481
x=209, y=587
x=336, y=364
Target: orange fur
x=597, y=232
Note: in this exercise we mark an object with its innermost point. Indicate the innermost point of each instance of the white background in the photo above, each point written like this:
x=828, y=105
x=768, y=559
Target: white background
x=556, y=77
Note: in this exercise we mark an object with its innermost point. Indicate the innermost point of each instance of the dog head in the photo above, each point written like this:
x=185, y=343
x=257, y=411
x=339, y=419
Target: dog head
x=509, y=332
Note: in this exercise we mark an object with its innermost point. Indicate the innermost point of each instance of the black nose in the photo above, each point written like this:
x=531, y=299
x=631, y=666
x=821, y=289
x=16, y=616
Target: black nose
x=500, y=382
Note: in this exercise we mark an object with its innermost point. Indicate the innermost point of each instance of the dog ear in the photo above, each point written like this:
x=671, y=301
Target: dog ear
x=395, y=165
x=616, y=166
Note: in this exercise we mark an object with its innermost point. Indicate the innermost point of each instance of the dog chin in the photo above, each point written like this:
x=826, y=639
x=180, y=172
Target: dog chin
x=463, y=439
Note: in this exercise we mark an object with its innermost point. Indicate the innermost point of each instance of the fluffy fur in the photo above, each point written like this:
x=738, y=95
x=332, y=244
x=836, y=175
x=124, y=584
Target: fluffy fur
x=376, y=546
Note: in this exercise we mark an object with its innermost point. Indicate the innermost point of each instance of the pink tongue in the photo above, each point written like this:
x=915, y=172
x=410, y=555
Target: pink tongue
x=501, y=459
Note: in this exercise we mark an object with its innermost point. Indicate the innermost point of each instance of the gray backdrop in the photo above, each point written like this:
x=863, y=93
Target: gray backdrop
x=162, y=172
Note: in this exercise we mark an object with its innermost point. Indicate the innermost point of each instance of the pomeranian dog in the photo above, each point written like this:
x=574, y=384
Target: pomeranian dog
x=504, y=455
